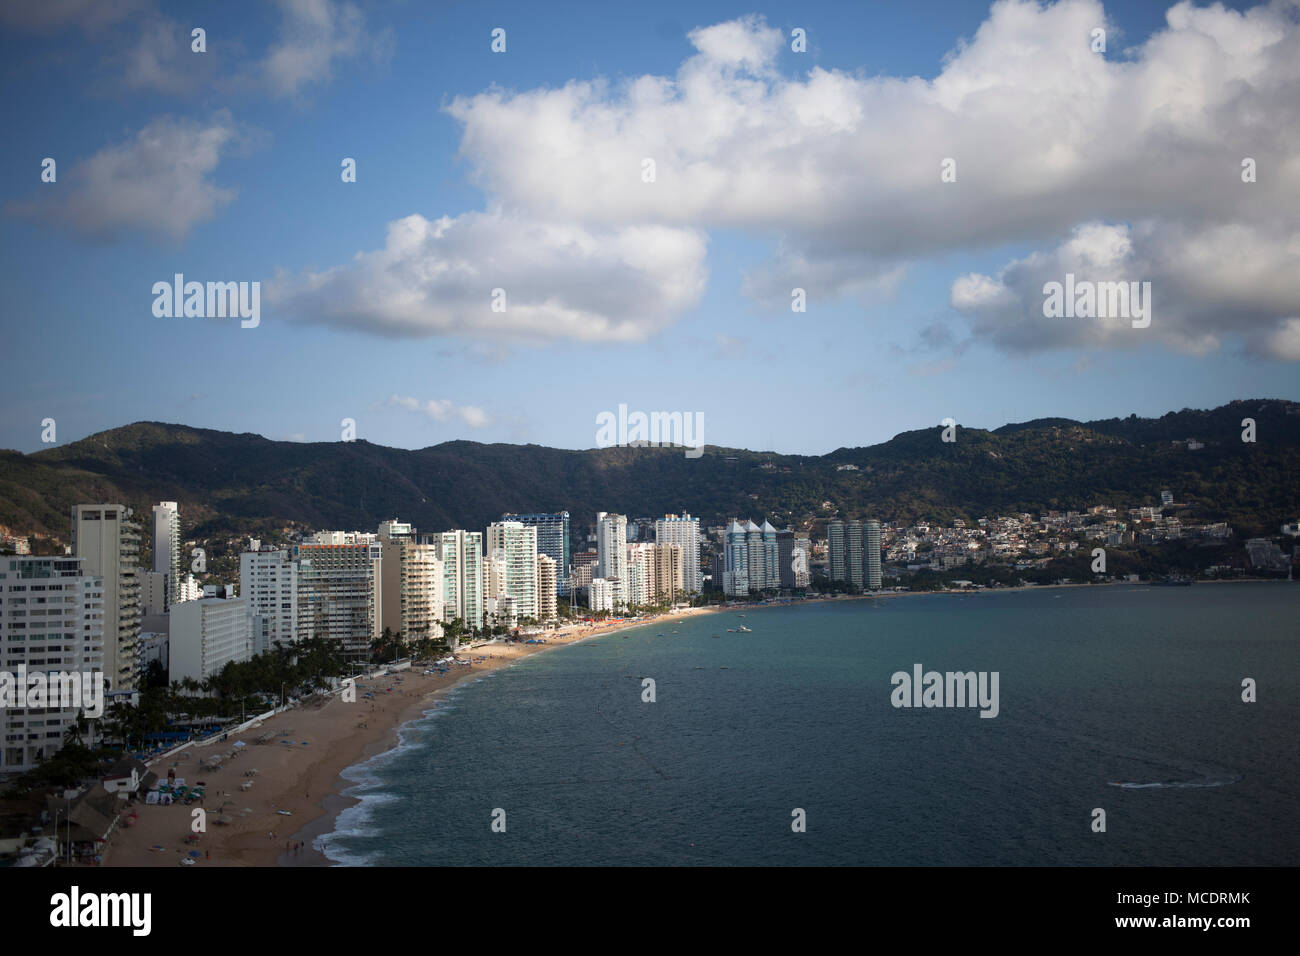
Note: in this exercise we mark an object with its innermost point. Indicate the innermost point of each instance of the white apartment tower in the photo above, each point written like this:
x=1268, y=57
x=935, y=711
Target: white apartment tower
x=108, y=538
x=167, y=545
x=639, y=588
x=51, y=619
x=611, y=553
x=462, y=576
x=268, y=581
x=683, y=531
x=514, y=545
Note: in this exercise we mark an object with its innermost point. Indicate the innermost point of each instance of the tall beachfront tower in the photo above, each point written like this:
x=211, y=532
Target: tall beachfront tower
x=339, y=593
x=552, y=541
x=873, y=554
x=268, y=580
x=167, y=545
x=683, y=531
x=785, y=558
x=854, y=554
x=835, y=550
x=546, y=589
x=107, y=537
x=515, y=545
x=71, y=619
x=611, y=553
x=462, y=576
x=735, y=561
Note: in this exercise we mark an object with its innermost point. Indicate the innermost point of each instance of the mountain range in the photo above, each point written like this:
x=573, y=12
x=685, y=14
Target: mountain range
x=243, y=483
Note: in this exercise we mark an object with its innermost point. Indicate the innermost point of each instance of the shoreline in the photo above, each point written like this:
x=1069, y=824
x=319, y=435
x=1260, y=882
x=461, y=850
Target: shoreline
x=295, y=794
x=287, y=774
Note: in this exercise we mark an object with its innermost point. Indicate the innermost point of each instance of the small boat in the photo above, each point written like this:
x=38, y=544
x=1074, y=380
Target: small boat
x=743, y=630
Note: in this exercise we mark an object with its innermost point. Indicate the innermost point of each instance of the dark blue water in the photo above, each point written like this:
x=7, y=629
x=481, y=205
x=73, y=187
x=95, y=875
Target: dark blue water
x=1098, y=686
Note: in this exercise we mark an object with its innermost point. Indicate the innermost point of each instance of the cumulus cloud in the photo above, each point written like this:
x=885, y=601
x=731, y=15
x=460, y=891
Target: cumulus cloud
x=559, y=281
x=443, y=410
x=1122, y=163
x=157, y=181
x=843, y=170
x=1206, y=282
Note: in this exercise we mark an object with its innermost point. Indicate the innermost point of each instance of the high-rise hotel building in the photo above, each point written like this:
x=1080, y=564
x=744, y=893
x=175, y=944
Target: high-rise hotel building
x=51, y=619
x=850, y=547
x=411, y=582
x=873, y=546
x=611, y=554
x=107, y=537
x=167, y=546
x=268, y=581
x=339, y=597
x=513, y=545
x=683, y=531
x=547, y=609
x=552, y=540
x=462, y=576
x=835, y=550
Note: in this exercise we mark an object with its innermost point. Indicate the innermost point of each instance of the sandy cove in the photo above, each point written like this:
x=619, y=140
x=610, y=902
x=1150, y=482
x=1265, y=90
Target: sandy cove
x=303, y=777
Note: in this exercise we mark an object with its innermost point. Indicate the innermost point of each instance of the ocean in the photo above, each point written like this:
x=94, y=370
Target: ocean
x=1123, y=699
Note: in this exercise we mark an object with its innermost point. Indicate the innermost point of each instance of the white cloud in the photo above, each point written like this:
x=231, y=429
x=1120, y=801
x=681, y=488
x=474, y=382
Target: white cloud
x=560, y=281
x=1207, y=282
x=157, y=181
x=443, y=410
x=842, y=170
x=747, y=43
x=315, y=34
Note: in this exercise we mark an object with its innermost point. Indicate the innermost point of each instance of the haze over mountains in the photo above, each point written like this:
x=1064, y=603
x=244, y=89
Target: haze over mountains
x=240, y=482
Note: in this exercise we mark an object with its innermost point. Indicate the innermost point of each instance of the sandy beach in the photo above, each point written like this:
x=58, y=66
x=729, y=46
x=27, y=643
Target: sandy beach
x=295, y=792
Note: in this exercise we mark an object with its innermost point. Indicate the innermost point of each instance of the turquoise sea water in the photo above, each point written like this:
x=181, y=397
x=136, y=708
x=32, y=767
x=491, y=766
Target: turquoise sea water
x=1134, y=686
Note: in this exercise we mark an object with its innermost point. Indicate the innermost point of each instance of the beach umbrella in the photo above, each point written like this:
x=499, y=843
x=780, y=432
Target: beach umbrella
x=195, y=853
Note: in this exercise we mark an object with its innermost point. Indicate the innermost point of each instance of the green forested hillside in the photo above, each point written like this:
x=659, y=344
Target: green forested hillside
x=244, y=482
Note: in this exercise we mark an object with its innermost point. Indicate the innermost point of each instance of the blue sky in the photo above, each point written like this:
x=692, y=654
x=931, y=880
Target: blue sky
x=285, y=91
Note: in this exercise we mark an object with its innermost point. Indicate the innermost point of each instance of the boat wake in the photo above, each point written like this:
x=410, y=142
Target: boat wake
x=1179, y=784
